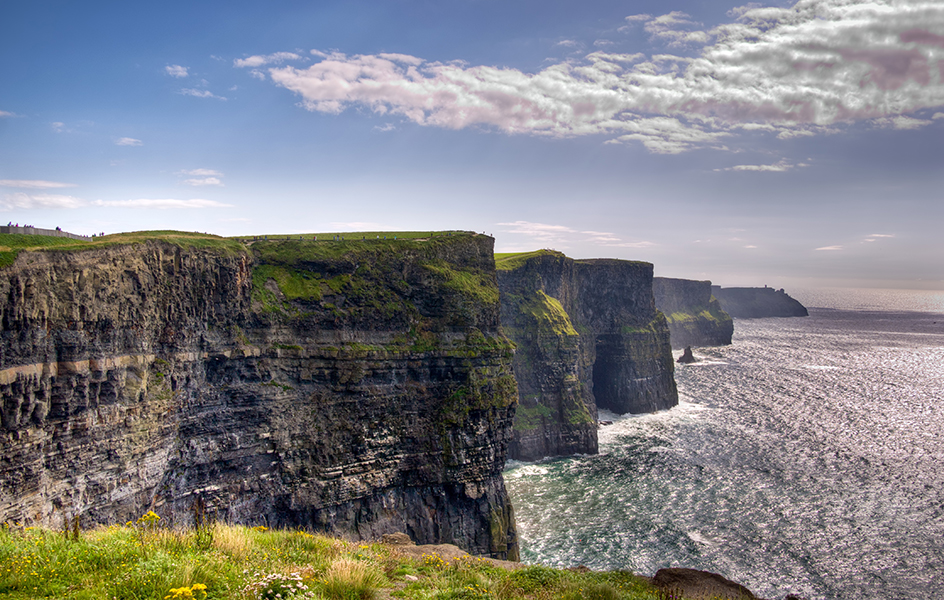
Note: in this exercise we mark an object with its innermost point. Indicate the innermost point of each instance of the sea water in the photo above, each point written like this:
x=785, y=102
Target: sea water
x=807, y=457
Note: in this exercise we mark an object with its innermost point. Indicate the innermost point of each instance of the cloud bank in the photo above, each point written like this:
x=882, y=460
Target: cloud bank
x=36, y=184
x=794, y=70
x=162, y=203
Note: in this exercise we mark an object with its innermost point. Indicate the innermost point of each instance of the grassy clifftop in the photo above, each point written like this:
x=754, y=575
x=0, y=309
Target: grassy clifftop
x=12, y=244
x=144, y=561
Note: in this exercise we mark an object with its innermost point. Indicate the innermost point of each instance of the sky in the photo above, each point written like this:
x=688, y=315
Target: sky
x=772, y=143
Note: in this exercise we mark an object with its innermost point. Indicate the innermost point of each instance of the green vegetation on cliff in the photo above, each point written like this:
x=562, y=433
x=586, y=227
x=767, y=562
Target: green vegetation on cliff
x=547, y=314
x=365, y=275
x=12, y=244
x=507, y=261
x=142, y=561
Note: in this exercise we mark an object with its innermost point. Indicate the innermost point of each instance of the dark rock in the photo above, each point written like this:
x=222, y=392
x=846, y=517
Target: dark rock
x=694, y=316
x=355, y=389
x=753, y=303
x=700, y=585
x=687, y=357
x=587, y=335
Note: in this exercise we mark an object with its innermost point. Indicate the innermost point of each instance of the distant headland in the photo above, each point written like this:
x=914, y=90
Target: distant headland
x=755, y=303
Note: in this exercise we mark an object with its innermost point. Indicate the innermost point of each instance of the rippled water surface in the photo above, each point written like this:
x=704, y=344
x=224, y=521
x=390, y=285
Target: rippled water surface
x=807, y=457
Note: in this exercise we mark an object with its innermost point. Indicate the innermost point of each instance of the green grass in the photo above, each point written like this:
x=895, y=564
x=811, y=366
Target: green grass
x=548, y=314
x=507, y=261
x=12, y=244
x=473, y=284
x=138, y=562
x=351, y=236
x=368, y=277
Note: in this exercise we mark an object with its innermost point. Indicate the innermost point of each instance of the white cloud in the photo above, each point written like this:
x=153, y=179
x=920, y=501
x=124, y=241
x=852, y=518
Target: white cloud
x=164, y=203
x=4, y=113
x=638, y=18
x=204, y=181
x=58, y=126
x=126, y=141
x=268, y=59
x=544, y=233
x=830, y=248
x=537, y=230
x=881, y=235
x=385, y=127
x=909, y=123
x=23, y=201
x=671, y=28
x=567, y=43
x=938, y=115
x=201, y=173
x=36, y=184
x=200, y=93
x=778, y=167
x=804, y=71
x=202, y=177
x=176, y=71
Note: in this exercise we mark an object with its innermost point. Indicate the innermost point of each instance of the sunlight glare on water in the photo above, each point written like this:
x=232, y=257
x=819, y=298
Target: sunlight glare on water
x=804, y=458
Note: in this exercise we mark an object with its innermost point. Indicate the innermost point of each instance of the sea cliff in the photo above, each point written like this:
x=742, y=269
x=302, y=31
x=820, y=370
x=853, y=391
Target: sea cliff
x=753, y=303
x=588, y=336
x=695, y=317
x=355, y=388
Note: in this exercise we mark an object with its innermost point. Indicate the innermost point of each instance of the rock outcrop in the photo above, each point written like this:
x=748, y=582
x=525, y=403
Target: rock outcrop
x=694, y=316
x=354, y=388
x=754, y=303
x=687, y=357
x=588, y=335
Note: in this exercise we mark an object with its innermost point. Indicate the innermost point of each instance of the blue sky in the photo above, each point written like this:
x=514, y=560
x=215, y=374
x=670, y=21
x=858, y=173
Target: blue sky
x=780, y=143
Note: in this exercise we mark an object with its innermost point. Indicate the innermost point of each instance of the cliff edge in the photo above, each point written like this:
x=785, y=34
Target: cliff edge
x=350, y=387
x=754, y=303
x=695, y=317
x=588, y=335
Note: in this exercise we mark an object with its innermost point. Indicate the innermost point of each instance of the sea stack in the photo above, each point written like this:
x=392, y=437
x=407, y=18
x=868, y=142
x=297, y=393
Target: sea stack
x=687, y=357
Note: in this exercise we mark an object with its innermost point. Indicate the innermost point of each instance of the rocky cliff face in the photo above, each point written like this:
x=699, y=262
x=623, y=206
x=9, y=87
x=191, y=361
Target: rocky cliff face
x=587, y=335
x=356, y=388
x=753, y=303
x=695, y=317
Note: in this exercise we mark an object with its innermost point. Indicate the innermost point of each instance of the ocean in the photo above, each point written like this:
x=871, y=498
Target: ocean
x=807, y=457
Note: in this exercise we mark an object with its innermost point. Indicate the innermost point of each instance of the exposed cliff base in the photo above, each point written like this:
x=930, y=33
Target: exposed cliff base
x=695, y=317
x=753, y=303
x=588, y=335
x=356, y=388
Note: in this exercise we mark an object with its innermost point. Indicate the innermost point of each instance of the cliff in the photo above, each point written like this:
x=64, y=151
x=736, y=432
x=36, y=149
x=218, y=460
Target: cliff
x=752, y=303
x=695, y=317
x=588, y=335
x=354, y=388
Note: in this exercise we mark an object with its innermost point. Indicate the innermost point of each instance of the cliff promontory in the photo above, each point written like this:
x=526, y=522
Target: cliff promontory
x=753, y=303
x=694, y=316
x=350, y=387
x=588, y=335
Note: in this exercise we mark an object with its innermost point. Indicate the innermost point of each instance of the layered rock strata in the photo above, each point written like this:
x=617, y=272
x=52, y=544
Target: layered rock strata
x=355, y=388
x=588, y=335
x=754, y=303
x=695, y=317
